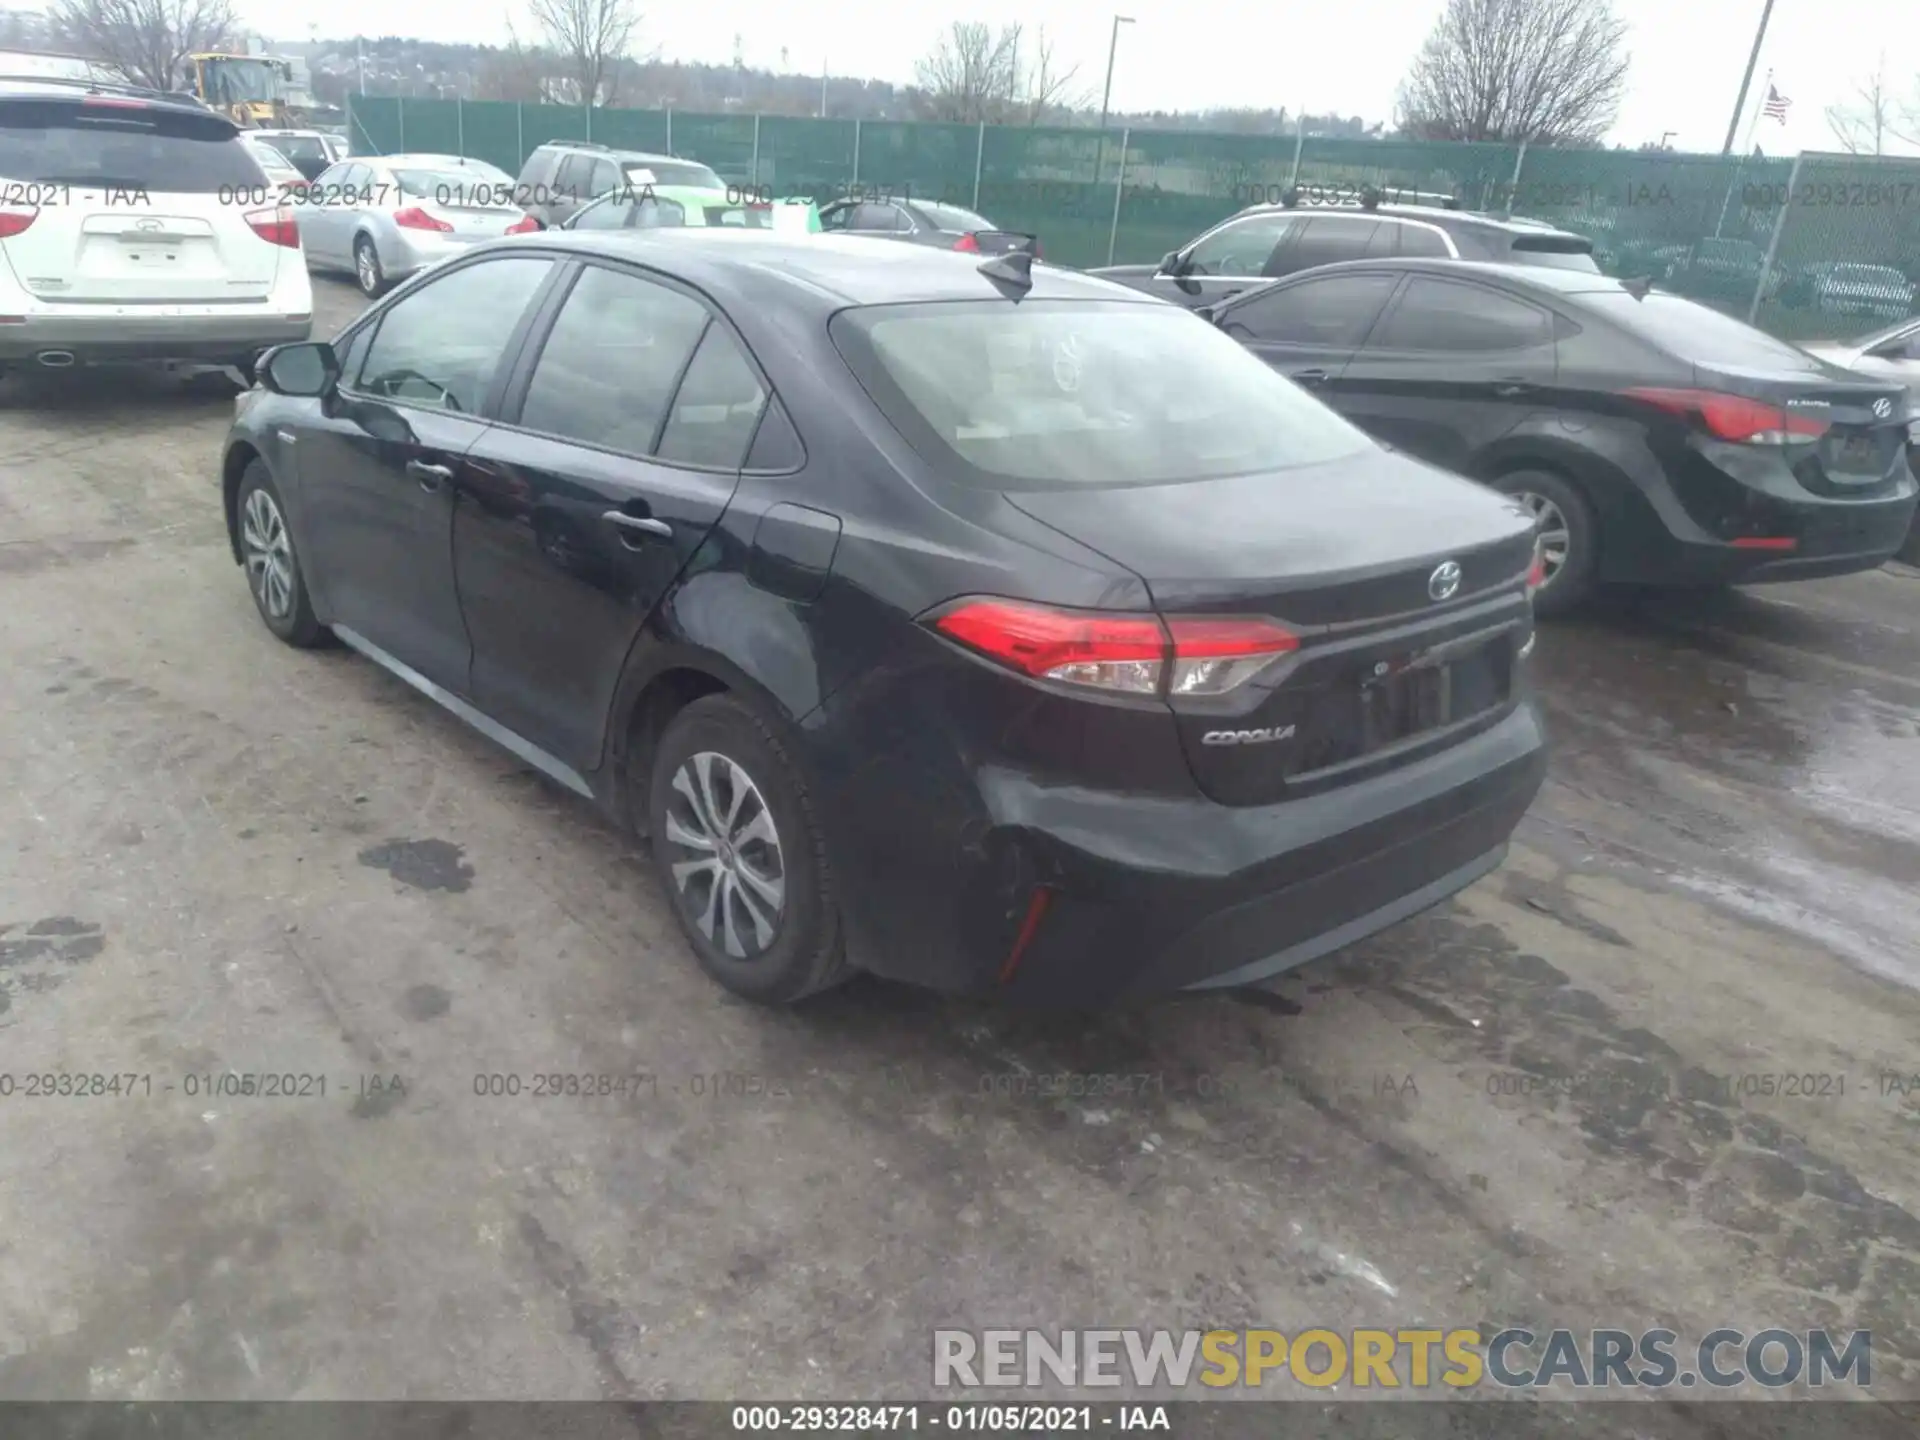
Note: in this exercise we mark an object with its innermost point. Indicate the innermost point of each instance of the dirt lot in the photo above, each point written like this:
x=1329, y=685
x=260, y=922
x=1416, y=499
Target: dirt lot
x=218, y=855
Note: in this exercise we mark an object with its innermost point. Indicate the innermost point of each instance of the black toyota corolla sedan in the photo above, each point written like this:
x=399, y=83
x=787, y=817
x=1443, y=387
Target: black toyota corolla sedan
x=974, y=624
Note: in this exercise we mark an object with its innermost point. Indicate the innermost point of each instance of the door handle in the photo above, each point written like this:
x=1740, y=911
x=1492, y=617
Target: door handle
x=431, y=477
x=639, y=525
x=1310, y=377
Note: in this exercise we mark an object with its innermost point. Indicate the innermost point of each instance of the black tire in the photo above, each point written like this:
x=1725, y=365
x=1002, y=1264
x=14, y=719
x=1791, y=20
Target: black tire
x=1573, y=585
x=368, y=273
x=803, y=953
x=296, y=624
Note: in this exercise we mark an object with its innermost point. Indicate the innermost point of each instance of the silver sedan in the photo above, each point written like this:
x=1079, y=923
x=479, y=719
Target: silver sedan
x=382, y=218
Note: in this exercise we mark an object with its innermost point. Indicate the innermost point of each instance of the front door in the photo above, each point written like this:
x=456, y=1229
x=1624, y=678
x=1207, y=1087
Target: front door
x=1309, y=329
x=378, y=465
x=613, y=460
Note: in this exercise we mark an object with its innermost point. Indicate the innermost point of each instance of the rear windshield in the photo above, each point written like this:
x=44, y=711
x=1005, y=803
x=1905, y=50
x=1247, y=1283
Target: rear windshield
x=301, y=147
x=1699, y=333
x=953, y=220
x=448, y=187
x=673, y=172
x=1556, y=252
x=122, y=147
x=1051, y=394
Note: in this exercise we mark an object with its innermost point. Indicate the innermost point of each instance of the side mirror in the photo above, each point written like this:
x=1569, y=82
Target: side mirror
x=309, y=369
x=1170, y=263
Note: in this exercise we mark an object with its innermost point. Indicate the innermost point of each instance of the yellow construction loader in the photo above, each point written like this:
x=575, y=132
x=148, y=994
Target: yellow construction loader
x=250, y=88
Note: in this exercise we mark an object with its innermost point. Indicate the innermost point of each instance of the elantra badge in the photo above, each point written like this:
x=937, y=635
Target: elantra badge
x=1444, y=581
x=1883, y=407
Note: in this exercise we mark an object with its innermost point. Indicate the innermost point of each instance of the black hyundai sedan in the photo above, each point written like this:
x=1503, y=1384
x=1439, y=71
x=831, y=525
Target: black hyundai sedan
x=1659, y=441
x=974, y=624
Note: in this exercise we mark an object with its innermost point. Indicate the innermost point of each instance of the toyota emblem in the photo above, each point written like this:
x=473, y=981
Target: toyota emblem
x=1444, y=581
x=1883, y=407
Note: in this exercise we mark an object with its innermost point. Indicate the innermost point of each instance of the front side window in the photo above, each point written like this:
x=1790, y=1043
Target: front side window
x=441, y=345
x=1240, y=248
x=610, y=365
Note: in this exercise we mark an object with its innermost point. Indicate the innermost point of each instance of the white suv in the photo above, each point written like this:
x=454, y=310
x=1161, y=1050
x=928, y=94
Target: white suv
x=136, y=226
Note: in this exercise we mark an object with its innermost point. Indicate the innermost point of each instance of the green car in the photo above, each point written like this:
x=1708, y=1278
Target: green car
x=647, y=207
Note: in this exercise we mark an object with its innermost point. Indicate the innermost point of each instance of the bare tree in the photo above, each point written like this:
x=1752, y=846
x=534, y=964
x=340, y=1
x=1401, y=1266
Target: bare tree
x=513, y=72
x=1044, y=87
x=1865, y=123
x=1551, y=72
x=147, y=40
x=972, y=74
x=592, y=39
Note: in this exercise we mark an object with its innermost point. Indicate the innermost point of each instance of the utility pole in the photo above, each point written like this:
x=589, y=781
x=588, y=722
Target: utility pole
x=1753, y=58
x=1106, y=96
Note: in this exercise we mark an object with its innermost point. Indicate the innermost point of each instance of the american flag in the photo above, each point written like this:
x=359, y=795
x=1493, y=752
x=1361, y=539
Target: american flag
x=1776, y=106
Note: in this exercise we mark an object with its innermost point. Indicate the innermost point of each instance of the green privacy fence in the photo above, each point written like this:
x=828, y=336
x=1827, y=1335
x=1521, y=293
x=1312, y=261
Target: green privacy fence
x=1814, y=245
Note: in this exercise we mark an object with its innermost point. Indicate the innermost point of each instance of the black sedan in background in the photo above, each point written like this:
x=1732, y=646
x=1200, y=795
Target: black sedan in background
x=1659, y=441
x=964, y=621
x=923, y=222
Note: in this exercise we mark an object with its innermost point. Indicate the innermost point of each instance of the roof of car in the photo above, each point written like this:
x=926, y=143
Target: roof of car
x=1432, y=214
x=829, y=271
x=54, y=88
x=593, y=145
x=1536, y=277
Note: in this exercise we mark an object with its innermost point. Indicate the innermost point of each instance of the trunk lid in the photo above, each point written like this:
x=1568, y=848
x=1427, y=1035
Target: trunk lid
x=1864, y=444
x=1397, y=654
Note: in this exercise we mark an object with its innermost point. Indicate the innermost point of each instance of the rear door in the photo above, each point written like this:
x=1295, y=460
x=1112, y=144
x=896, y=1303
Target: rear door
x=1309, y=328
x=1452, y=367
x=139, y=204
x=620, y=445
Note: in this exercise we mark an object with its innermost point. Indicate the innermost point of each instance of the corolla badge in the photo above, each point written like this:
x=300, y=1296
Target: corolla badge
x=1883, y=407
x=1444, y=581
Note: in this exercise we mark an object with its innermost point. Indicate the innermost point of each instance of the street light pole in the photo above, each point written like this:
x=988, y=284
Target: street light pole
x=1753, y=58
x=1113, y=46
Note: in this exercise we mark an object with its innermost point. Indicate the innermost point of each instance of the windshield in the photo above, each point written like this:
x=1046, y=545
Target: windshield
x=953, y=220
x=270, y=157
x=1050, y=394
x=1699, y=333
x=451, y=187
x=674, y=172
x=233, y=81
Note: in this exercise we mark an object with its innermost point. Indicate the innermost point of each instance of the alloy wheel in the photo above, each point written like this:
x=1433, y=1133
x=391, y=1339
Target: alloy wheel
x=367, y=267
x=1555, y=537
x=727, y=864
x=269, y=555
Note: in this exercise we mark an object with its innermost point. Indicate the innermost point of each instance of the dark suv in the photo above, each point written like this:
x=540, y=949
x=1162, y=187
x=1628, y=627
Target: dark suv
x=563, y=176
x=1265, y=242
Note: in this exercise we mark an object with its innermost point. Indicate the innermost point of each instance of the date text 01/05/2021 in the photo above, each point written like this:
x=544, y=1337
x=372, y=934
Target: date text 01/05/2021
x=980, y=1417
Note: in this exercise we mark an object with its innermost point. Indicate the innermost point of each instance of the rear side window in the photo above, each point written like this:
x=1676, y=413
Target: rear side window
x=716, y=407
x=1698, y=333
x=610, y=365
x=1336, y=312
x=122, y=147
x=1438, y=315
x=1328, y=239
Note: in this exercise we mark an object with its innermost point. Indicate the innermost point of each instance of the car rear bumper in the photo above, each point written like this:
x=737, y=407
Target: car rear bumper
x=1150, y=896
x=415, y=251
x=191, y=335
x=1830, y=539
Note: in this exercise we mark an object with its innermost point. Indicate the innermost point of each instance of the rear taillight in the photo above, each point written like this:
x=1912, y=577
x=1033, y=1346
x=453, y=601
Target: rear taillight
x=414, y=218
x=1127, y=653
x=276, y=226
x=16, y=219
x=1735, y=417
x=524, y=226
x=968, y=244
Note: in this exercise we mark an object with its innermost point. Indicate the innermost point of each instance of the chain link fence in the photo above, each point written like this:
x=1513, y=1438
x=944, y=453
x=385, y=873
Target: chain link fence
x=1814, y=246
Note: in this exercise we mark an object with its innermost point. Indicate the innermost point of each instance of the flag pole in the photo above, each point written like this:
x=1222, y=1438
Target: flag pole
x=1753, y=125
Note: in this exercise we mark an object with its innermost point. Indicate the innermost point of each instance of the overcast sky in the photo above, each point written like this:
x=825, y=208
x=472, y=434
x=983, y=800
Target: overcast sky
x=1346, y=56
